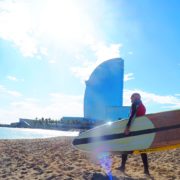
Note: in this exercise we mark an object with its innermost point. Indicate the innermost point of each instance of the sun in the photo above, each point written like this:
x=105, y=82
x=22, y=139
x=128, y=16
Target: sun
x=62, y=20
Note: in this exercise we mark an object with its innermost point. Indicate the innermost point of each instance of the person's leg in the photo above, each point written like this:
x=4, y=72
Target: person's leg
x=145, y=162
x=123, y=162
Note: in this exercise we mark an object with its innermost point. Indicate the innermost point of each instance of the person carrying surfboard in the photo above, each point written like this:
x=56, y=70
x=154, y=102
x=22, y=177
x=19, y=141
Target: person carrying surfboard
x=137, y=109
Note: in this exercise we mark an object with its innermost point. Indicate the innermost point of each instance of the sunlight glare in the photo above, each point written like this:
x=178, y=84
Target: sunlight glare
x=109, y=123
x=62, y=20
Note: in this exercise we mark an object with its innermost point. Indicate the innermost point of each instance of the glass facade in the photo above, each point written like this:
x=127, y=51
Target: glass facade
x=103, y=97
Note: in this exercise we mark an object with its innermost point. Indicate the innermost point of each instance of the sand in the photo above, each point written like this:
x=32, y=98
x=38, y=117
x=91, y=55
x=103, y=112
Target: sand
x=55, y=158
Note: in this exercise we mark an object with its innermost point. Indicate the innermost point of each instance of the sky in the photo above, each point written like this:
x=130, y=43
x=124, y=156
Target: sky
x=48, y=48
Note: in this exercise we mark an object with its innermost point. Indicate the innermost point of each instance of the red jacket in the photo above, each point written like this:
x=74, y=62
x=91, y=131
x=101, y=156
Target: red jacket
x=137, y=109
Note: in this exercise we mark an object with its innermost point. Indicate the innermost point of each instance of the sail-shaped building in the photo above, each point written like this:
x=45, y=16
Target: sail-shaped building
x=103, y=99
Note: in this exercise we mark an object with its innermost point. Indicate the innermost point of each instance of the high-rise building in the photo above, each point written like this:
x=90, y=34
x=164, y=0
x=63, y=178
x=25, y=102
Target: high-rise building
x=103, y=99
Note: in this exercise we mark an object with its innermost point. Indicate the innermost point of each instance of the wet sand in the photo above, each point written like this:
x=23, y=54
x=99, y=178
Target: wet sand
x=55, y=158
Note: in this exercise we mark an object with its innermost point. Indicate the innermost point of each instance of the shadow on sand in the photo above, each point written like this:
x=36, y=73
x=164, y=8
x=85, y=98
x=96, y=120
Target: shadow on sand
x=99, y=176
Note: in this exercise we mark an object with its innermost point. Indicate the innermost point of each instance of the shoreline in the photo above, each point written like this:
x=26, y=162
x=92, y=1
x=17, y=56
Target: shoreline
x=55, y=158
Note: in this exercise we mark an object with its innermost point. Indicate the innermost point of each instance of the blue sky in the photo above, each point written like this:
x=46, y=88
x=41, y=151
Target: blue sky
x=48, y=48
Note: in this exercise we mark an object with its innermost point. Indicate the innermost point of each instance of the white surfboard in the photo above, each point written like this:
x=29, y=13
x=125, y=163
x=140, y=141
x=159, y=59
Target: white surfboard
x=144, y=134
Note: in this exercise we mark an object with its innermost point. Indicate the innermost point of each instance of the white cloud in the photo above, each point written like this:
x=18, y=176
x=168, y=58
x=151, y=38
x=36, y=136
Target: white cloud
x=14, y=93
x=2, y=88
x=52, y=24
x=57, y=25
x=16, y=26
x=128, y=76
x=13, y=78
x=67, y=105
x=6, y=92
x=19, y=24
x=58, y=105
x=167, y=101
x=102, y=52
x=18, y=109
x=83, y=72
x=52, y=61
x=130, y=53
x=43, y=51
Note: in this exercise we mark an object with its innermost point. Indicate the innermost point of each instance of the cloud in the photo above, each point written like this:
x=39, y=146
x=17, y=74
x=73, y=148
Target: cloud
x=67, y=105
x=13, y=78
x=53, y=25
x=14, y=93
x=105, y=52
x=18, y=109
x=58, y=105
x=56, y=26
x=6, y=92
x=128, y=76
x=83, y=72
x=43, y=51
x=167, y=101
x=2, y=88
x=16, y=26
x=102, y=53
x=130, y=53
x=52, y=61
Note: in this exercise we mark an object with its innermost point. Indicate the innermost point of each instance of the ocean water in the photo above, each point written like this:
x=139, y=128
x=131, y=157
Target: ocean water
x=26, y=133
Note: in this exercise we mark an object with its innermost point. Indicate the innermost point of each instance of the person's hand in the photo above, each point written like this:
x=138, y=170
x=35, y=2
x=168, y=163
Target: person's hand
x=127, y=131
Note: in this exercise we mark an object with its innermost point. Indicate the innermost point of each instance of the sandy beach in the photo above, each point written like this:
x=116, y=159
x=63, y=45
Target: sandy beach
x=55, y=158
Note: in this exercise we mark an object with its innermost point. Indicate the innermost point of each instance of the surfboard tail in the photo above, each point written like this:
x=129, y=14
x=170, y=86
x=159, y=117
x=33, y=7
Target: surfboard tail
x=150, y=133
x=150, y=150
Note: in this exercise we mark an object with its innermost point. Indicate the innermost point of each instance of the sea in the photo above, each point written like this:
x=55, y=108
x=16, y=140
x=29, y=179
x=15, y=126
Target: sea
x=26, y=133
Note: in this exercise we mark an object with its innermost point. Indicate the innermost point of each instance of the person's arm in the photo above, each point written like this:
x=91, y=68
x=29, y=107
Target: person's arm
x=133, y=114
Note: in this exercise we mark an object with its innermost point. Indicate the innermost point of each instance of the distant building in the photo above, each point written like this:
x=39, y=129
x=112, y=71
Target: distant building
x=77, y=122
x=103, y=99
x=37, y=123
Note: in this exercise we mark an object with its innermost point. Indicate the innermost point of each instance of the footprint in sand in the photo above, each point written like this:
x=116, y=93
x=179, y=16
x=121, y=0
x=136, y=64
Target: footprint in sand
x=39, y=170
x=68, y=168
x=4, y=176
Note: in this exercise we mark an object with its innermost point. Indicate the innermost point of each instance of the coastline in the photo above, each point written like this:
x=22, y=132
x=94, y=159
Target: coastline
x=55, y=158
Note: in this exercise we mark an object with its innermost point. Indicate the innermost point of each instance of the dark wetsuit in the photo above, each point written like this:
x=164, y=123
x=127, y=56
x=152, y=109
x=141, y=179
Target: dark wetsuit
x=137, y=109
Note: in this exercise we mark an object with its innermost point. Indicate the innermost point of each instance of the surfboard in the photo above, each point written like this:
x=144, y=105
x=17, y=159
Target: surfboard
x=152, y=131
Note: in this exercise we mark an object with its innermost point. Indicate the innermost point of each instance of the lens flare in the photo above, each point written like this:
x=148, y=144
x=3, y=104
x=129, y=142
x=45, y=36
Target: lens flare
x=109, y=123
x=105, y=162
x=104, y=159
